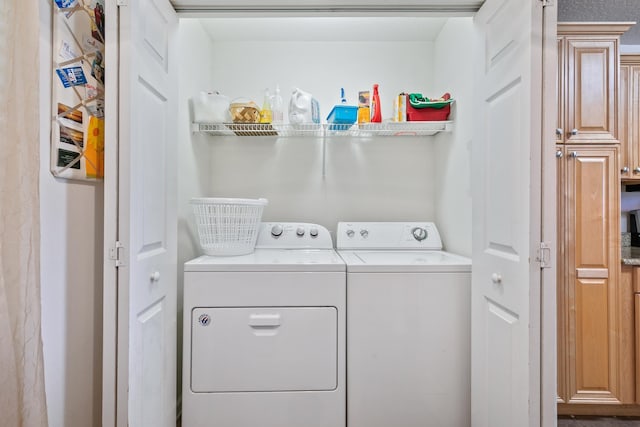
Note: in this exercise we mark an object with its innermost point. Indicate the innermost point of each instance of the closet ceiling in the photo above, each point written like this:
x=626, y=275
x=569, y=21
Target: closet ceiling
x=324, y=29
x=449, y=7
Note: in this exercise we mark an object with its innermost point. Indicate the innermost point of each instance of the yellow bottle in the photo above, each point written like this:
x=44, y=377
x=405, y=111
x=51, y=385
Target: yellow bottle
x=265, y=112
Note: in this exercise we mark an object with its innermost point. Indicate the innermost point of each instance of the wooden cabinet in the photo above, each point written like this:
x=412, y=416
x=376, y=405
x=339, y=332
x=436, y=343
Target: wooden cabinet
x=588, y=290
x=594, y=352
x=629, y=127
x=588, y=82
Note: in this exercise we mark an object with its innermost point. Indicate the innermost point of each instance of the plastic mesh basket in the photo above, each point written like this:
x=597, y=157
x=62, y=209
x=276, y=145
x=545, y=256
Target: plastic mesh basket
x=228, y=226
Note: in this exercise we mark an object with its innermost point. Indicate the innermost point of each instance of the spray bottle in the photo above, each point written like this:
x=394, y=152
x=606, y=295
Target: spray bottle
x=277, y=109
x=376, y=114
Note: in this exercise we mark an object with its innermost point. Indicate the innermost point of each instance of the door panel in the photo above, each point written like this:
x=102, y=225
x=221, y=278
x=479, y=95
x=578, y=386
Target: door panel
x=626, y=151
x=591, y=91
x=634, y=120
x=561, y=87
x=506, y=161
x=593, y=270
x=147, y=215
x=561, y=288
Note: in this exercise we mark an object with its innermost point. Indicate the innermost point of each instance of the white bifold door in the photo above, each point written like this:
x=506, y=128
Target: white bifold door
x=142, y=195
x=507, y=223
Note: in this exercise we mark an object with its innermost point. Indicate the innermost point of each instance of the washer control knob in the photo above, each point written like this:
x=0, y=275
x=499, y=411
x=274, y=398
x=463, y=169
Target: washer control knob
x=364, y=233
x=276, y=230
x=419, y=233
x=350, y=233
x=313, y=232
x=300, y=231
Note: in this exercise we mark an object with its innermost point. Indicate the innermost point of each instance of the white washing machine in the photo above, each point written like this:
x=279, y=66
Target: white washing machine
x=264, y=333
x=408, y=327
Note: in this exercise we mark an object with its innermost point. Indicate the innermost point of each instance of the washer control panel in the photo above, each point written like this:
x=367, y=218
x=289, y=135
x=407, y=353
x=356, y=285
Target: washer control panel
x=293, y=235
x=388, y=235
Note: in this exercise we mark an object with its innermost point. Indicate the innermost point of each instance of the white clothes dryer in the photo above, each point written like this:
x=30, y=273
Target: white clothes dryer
x=264, y=333
x=408, y=327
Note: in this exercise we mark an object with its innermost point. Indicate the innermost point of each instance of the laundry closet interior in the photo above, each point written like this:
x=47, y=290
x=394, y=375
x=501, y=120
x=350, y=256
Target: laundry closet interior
x=328, y=177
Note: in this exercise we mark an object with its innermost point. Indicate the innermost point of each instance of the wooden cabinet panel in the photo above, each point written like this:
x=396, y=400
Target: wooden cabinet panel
x=634, y=116
x=626, y=318
x=592, y=101
x=637, y=337
x=560, y=86
x=626, y=152
x=629, y=128
x=592, y=270
x=561, y=291
x=588, y=67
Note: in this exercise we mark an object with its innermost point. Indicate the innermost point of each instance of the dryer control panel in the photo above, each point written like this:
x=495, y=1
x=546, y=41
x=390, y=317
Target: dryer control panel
x=388, y=235
x=293, y=235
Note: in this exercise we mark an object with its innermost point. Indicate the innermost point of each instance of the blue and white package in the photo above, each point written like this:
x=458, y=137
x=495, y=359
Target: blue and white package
x=71, y=76
x=63, y=4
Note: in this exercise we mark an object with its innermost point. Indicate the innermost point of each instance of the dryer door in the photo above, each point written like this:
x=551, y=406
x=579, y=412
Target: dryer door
x=258, y=349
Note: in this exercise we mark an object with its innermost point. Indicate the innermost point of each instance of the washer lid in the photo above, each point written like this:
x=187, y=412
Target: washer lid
x=313, y=260
x=404, y=261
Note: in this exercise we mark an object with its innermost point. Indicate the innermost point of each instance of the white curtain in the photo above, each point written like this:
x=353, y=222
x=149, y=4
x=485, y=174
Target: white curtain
x=22, y=393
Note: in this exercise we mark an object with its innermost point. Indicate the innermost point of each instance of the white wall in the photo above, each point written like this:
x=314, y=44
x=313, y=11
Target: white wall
x=71, y=276
x=383, y=179
x=454, y=74
x=194, y=158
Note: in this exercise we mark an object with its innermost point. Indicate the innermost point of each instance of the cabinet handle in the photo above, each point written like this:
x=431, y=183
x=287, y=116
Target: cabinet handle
x=559, y=131
x=636, y=169
x=573, y=154
x=624, y=169
x=574, y=132
x=559, y=154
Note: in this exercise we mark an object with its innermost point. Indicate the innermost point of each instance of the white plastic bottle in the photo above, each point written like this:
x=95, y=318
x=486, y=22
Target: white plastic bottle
x=277, y=109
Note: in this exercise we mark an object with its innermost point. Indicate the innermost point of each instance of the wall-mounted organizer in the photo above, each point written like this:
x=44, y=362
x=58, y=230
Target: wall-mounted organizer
x=77, y=128
x=324, y=130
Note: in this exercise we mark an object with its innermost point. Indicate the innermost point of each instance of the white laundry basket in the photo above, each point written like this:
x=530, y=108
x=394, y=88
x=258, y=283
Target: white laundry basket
x=228, y=226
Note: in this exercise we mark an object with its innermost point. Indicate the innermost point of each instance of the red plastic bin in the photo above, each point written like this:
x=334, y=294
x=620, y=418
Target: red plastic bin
x=427, y=114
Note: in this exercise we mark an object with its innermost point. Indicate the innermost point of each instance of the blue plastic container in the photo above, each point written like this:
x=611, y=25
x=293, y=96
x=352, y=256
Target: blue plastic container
x=343, y=115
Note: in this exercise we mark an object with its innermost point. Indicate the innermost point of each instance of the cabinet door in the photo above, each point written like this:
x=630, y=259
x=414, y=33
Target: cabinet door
x=626, y=149
x=633, y=133
x=592, y=71
x=561, y=281
x=592, y=247
x=561, y=85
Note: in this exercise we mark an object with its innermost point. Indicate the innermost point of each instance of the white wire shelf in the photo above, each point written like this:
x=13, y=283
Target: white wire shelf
x=324, y=130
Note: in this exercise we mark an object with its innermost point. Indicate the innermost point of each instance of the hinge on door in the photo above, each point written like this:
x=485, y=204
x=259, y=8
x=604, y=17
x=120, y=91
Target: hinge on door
x=544, y=255
x=126, y=2
x=116, y=253
x=546, y=3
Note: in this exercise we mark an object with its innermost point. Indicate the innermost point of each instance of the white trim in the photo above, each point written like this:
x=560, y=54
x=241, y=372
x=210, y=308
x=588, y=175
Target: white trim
x=110, y=280
x=548, y=328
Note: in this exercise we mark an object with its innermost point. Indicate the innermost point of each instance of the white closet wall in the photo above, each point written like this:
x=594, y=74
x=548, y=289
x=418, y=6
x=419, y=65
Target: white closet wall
x=194, y=154
x=385, y=179
x=454, y=74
